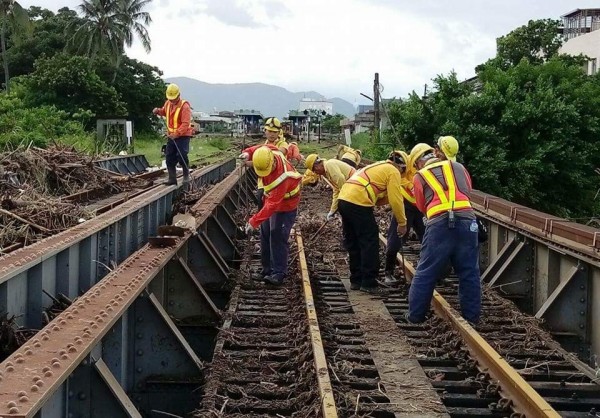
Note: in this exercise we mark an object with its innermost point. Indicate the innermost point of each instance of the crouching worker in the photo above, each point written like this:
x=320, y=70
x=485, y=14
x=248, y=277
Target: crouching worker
x=281, y=186
x=375, y=185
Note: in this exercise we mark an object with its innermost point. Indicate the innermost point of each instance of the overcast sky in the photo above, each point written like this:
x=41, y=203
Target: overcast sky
x=330, y=46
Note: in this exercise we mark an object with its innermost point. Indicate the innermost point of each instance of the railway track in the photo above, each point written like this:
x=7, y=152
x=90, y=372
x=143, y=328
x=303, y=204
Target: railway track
x=508, y=366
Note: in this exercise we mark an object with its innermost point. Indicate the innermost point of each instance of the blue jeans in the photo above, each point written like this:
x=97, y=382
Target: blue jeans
x=442, y=245
x=274, y=245
x=177, y=152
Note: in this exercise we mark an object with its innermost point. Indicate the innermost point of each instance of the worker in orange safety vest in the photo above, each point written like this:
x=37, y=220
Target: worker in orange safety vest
x=178, y=113
x=281, y=195
x=442, y=192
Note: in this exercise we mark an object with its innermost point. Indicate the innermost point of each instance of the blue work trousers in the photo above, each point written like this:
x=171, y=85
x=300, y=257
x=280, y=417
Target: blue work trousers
x=274, y=245
x=442, y=245
x=414, y=221
x=177, y=152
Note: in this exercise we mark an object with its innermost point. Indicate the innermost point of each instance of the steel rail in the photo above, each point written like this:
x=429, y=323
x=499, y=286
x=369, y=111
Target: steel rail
x=325, y=390
x=31, y=375
x=525, y=398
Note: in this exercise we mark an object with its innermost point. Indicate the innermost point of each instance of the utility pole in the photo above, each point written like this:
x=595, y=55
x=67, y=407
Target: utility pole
x=376, y=106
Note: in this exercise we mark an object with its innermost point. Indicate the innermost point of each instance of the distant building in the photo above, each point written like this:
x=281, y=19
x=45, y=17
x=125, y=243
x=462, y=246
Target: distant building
x=580, y=28
x=298, y=121
x=318, y=105
x=365, y=108
x=251, y=120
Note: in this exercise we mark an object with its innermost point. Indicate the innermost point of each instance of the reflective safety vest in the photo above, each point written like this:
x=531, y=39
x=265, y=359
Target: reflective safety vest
x=408, y=194
x=278, y=144
x=446, y=199
x=173, y=124
x=288, y=172
x=362, y=178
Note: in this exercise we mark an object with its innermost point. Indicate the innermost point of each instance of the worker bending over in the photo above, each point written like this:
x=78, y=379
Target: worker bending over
x=178, y=113
x=414, y=218
x=442, y=192
x=275, y=137
x=375, y=185
x=336, y=173
x=281, y=194
x=349, y=155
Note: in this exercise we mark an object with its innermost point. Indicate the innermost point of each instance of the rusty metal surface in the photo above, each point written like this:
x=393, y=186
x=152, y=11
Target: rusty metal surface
x=33, y=373
x=24, y=258
x=576, y=237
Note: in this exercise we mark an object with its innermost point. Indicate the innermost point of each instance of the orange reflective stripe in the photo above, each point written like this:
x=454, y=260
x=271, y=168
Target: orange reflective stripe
x=362, y=178
x=407, y=194
x=447, y=201
x=287, y=173
x=173, y=124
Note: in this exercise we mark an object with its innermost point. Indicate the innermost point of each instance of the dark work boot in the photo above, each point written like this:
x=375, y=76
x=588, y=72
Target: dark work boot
x=172, y=176
x=186, y=179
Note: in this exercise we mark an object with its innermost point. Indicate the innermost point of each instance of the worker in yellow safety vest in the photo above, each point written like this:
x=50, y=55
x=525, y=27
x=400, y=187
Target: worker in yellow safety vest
x=336, y=173
x=350, y=155
x=178, y=113
x=442, y=190
x=375, y=185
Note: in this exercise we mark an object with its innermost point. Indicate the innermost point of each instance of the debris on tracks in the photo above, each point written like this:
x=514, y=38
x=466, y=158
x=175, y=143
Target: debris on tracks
x=35, y=189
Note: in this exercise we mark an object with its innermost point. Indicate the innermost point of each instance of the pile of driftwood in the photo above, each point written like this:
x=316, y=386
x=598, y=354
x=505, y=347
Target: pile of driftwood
x=36, y=189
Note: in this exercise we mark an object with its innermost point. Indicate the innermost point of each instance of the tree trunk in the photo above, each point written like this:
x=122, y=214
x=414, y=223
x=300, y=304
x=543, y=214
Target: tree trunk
x=4, y=58
x=117, y=64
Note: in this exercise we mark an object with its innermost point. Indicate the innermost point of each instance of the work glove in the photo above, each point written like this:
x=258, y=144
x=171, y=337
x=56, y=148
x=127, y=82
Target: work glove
x=249, y=228
x=330, y=216
x=244, y=156
x=401, y=230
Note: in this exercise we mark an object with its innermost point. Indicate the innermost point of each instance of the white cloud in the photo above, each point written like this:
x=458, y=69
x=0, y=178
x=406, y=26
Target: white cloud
x=331, y=46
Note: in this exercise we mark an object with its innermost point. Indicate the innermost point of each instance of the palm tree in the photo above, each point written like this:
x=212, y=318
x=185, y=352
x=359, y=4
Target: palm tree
x=101, y=29
x=134, y=21
x=13, y=15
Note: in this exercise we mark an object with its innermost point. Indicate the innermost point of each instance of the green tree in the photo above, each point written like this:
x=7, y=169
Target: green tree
x=331, y=123
x=529, y=134
x=537, y=41
x=101, y=31
x=68, y=83
x=15, y=18
x=140, y=87
x=47, y=38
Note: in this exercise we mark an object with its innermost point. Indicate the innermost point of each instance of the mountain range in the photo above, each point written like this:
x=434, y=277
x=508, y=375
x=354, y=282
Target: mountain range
x=268, y=99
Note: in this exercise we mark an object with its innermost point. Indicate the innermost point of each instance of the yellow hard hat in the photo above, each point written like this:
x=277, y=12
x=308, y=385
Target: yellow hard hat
x=172, y=91
x=262, y=161
x=273, y=125
x=449, y=146
x=310, y=161
x=418, y=151
x=398, y=157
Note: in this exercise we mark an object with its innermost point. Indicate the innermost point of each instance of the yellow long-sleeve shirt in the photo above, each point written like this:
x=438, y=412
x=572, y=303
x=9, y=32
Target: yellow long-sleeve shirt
x=337, y=172
x=387, y=179
x=309, y=177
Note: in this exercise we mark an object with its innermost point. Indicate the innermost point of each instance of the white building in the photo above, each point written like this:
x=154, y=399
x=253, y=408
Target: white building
x=318, y=105
x=582, y=36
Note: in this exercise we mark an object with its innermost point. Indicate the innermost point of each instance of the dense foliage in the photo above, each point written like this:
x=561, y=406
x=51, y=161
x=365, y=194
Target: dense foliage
x=529, y=131
x=53, y=72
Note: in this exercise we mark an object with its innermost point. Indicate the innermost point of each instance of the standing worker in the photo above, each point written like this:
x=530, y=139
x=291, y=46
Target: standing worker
x=375, y=185
x=414, y=218
x=179, y=131
x=335, y=171
x=349, y=155
x=281, y=186
x=442, y=192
